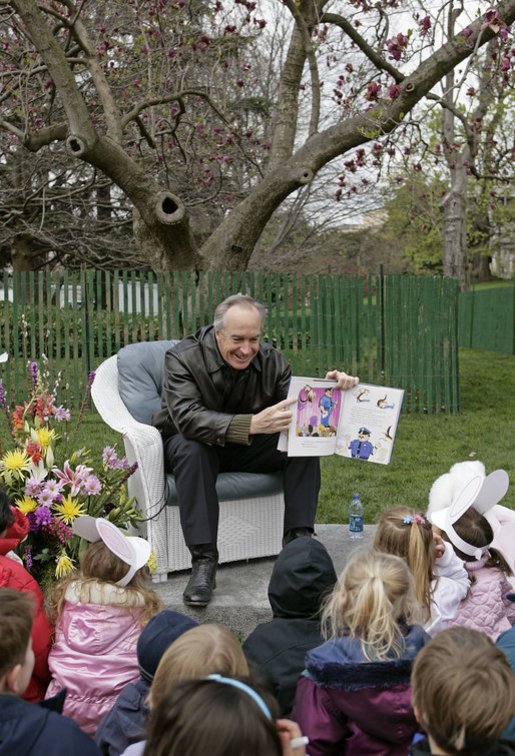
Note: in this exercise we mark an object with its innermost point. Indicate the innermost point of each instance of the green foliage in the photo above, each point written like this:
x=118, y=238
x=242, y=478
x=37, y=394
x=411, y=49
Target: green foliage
x=414, y=223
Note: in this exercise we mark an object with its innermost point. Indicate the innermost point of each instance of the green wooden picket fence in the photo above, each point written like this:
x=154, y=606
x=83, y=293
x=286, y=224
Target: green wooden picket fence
x=486, y=319
x=393, y=330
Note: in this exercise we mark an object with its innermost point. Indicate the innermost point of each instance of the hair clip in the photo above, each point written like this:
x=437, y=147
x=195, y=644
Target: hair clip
x=409, y=519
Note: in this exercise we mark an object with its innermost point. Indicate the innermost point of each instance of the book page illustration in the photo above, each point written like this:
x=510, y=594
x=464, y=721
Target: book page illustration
x=368, y=427
x=359, y=423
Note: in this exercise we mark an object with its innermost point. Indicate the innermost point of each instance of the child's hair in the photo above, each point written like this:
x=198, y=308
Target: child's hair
x=406, y=533
x=100, y=564
x=374, y=596
x=203, y=650
x=17, y=612
x=464, y=690
x=6, y=513
x=475, y=529
x=206, y=716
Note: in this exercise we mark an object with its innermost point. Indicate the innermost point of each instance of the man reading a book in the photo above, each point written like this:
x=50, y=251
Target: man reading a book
x=224, y=404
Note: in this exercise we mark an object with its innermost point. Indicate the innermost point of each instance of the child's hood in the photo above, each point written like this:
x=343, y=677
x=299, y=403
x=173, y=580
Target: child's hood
x=341, y=663
x=15, y=533
x=302, y=575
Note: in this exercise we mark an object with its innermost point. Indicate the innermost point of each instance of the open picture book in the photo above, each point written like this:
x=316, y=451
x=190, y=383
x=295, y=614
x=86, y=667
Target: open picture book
x=360, y=423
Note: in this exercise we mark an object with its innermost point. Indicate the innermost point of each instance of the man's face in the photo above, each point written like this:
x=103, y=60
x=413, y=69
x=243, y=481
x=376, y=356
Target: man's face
x=363, y=436
x=238, y=342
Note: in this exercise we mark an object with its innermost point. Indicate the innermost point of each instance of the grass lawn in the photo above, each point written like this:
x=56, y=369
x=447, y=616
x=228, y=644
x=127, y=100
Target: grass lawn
x=426, y=445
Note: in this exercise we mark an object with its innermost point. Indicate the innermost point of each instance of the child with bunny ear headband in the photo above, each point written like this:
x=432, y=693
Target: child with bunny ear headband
x=98, y=616
x=492, y=490
x=486, y=607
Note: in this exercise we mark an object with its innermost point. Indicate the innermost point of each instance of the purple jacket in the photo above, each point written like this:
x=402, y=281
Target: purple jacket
x=347, y=705
x=94, y=654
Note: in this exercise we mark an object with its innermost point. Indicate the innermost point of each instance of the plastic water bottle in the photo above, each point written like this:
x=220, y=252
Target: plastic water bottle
x=356, y=517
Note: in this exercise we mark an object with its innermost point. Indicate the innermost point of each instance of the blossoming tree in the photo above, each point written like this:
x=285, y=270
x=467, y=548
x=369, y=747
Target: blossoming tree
x=104, y=81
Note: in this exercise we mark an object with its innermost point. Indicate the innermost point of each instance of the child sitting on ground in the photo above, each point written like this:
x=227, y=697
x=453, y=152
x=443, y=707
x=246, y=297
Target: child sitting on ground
x=98, y=618
x=489, y=493
x=29, y=729
x=354, y=696
x=441, y=580
x=302, y=576
x=463, y=694
x=14, y=527
x=221, y=716
x=125, y=723
x=206, y=649
x=486, y=607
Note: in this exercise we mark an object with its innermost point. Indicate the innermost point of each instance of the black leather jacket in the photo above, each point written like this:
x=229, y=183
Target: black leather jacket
x=202, y=395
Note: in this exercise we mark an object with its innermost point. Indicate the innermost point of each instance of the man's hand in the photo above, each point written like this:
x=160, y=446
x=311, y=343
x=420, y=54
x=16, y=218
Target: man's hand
x=273, y=419
x=343, y=381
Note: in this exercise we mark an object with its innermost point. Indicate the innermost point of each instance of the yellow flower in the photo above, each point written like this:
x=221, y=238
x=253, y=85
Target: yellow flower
x=152, y=563
x=45, y=436
x=69, y=509
x=64, y=565
x=26, y=505
x=16, y=461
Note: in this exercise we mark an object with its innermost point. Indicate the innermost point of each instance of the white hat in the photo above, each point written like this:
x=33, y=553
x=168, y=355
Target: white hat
x=132, y=550
x=447, y=487
x=479, y=492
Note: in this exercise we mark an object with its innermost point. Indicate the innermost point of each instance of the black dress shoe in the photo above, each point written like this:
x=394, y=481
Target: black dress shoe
x=296, y=533
x=204, y=560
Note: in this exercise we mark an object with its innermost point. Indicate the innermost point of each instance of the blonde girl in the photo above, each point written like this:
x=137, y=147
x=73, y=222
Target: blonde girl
x=98, y=615
x=354, y=696
x=441, y=580
x=203, y=650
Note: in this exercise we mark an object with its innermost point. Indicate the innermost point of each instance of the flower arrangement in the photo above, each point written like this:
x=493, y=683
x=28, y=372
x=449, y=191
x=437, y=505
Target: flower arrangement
x=51, y=485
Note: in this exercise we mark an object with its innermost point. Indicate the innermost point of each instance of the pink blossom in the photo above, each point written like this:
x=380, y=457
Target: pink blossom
x=424, y=26
x=33, y=487
x=394, y=91
x=92, y=485
x=45, y=498
x=60, y=413
x=373, y=90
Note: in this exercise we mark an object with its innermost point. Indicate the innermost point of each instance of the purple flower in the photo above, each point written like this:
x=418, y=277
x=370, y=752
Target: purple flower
x=28, y=556
x=34, y=374
x=53, y=488
x=109, y=456
x=60, y=414
x=92, y=485
x=33, y=487
x=45, y=498
x=43, y=516
x=33, y=523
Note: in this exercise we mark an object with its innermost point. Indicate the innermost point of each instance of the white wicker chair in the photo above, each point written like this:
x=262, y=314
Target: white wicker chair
x=251, y=505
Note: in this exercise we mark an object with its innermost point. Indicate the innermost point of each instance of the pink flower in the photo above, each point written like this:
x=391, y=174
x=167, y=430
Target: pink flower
x=71, y=477
x=423, y=26
x=92, y=485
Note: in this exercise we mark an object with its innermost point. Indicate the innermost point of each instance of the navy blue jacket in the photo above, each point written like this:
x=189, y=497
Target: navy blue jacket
x=32, y=729
x=125, y=723
x=303, y=574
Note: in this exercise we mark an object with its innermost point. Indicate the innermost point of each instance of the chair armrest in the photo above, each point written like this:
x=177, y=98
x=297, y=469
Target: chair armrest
x=143, y=443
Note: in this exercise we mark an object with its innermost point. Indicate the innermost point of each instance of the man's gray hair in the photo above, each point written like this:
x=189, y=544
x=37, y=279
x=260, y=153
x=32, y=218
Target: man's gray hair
x=236, y=299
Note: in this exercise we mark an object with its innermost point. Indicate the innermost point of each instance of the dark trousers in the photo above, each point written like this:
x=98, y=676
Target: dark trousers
x=195, y=467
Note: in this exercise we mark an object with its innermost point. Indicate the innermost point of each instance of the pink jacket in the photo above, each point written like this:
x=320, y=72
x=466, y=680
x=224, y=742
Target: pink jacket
x=94, y=654
x=486, y=607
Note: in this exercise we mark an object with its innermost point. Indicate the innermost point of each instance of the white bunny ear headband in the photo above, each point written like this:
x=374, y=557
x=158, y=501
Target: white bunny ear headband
x=480, y=492
x=132, y=550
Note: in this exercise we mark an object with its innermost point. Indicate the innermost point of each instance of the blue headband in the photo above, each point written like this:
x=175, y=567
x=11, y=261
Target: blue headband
x=246, y=688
